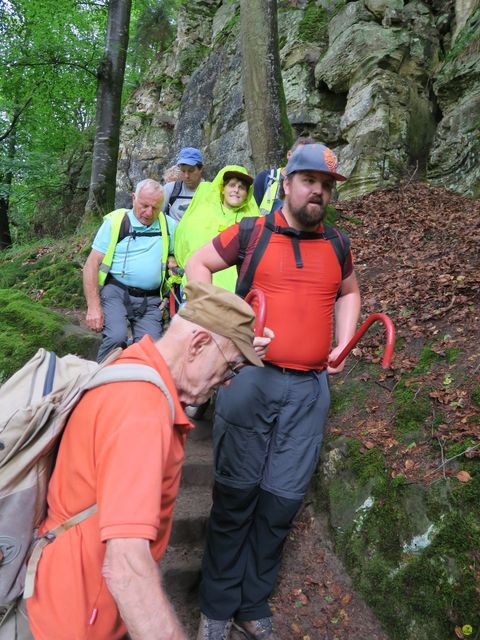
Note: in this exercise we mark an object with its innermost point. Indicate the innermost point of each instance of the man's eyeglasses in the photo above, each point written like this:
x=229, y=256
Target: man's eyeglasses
x=232, y=369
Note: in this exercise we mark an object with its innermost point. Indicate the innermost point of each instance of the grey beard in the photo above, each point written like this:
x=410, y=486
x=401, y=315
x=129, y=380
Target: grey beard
x=308, y=219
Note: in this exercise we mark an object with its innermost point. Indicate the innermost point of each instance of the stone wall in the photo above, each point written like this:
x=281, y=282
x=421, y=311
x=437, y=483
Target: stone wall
x=393, y=87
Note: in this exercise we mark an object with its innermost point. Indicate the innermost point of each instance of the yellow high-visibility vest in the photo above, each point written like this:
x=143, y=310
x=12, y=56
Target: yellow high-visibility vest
x=116, y=218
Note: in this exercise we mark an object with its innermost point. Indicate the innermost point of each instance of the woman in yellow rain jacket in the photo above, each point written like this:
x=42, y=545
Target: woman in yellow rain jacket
x=215, y=206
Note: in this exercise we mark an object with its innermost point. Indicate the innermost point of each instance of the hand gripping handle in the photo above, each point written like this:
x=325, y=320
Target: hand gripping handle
x=387, y=354
x=256, y=299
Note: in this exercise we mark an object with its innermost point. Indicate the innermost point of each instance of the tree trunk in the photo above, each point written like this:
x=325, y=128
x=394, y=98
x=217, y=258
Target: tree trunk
x=6, y=179
x=268, y=127
x=101, y=198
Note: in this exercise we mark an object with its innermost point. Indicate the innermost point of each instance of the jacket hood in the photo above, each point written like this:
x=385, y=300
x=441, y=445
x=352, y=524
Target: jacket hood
x=217, y=184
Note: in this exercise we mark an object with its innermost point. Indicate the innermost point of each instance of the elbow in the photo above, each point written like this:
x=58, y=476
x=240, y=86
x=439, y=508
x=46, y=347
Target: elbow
x=88, y=267
x=192, y=267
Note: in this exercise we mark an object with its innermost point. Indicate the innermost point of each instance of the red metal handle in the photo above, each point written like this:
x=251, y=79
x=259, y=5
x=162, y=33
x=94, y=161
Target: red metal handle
x=387, y=354
x=256, y=299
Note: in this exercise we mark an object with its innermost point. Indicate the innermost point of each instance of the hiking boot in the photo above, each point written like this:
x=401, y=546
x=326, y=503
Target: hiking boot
x=256, y=629
x=209, y=629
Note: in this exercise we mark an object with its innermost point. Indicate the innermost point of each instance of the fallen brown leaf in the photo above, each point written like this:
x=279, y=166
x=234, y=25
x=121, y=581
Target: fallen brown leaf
x=463, y=476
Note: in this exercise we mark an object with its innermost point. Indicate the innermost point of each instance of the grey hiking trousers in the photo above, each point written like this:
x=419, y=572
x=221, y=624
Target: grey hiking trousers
x=115, y=330
x=268, y=430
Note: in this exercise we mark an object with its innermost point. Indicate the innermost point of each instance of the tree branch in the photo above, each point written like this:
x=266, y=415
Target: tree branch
x=87, y=3
x=55, y=62
x=16, y=116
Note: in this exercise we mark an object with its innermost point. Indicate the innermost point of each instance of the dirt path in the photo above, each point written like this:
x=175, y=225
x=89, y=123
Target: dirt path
x=314, y=599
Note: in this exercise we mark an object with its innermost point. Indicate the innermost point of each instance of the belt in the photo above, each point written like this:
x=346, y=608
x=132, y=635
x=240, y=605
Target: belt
x=133, y=291
x=298, y=372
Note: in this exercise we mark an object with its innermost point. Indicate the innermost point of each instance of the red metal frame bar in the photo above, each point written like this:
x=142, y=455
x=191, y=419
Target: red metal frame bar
x=390, y=330
x=256, y=299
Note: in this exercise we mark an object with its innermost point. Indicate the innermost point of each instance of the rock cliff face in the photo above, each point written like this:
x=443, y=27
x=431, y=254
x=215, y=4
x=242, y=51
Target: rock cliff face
x=393, y=87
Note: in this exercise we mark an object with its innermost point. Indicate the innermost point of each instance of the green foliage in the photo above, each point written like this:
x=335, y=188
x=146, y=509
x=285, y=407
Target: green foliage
x=190, y=58
x=314, y=25
x=452, y=354
x=331, y=214
x=153, y=28
x=459, y=447
x=468, y=39
x=230, y=28
x=50, y=51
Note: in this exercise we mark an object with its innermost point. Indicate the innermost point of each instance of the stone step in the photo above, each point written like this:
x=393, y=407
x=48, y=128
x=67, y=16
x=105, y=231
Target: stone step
x=180, y=568
x=190, y=516
x=198, y=466
x=202, y=430
x=196, y=474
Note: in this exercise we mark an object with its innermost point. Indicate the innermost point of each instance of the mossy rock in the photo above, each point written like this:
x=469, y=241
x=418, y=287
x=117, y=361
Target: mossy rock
x=411, y=549
x=54, y=278
x=191, y=58
x=314, y=25
x=25, y=326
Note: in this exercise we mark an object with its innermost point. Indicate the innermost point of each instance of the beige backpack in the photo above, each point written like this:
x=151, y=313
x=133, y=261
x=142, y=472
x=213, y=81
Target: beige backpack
x=35, y=405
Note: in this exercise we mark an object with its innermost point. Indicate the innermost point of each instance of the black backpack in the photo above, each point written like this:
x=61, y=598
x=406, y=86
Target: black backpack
x=127, y=231
x=339, y=239
x=177, y=187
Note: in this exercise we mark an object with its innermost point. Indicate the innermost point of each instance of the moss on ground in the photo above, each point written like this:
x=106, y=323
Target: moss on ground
x=412, y=408
x=53, y=277
x=412, y=551
x=426, y=359
x=476, y=396
x=343, y=395
x=25, y=326
x=32, y=278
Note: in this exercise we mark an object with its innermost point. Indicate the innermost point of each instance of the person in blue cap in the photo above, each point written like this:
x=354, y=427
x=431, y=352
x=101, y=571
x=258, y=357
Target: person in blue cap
x=179, y=194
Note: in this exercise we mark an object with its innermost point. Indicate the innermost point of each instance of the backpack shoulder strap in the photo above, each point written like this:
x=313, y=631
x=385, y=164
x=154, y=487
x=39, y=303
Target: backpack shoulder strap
x=246, y=227
x=270, y=178
x=340, y=243
x=244, y=284
x=125, y=227
x=177, y=187
x=131, y=372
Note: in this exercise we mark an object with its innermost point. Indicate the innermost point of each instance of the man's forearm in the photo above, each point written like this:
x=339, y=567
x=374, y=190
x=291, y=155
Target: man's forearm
x=146, y=611
x=90, y=285
x=347, y=312
x=134, y=581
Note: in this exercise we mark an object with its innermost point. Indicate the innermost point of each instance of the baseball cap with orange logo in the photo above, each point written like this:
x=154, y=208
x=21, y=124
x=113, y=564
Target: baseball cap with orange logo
x=314, y=157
